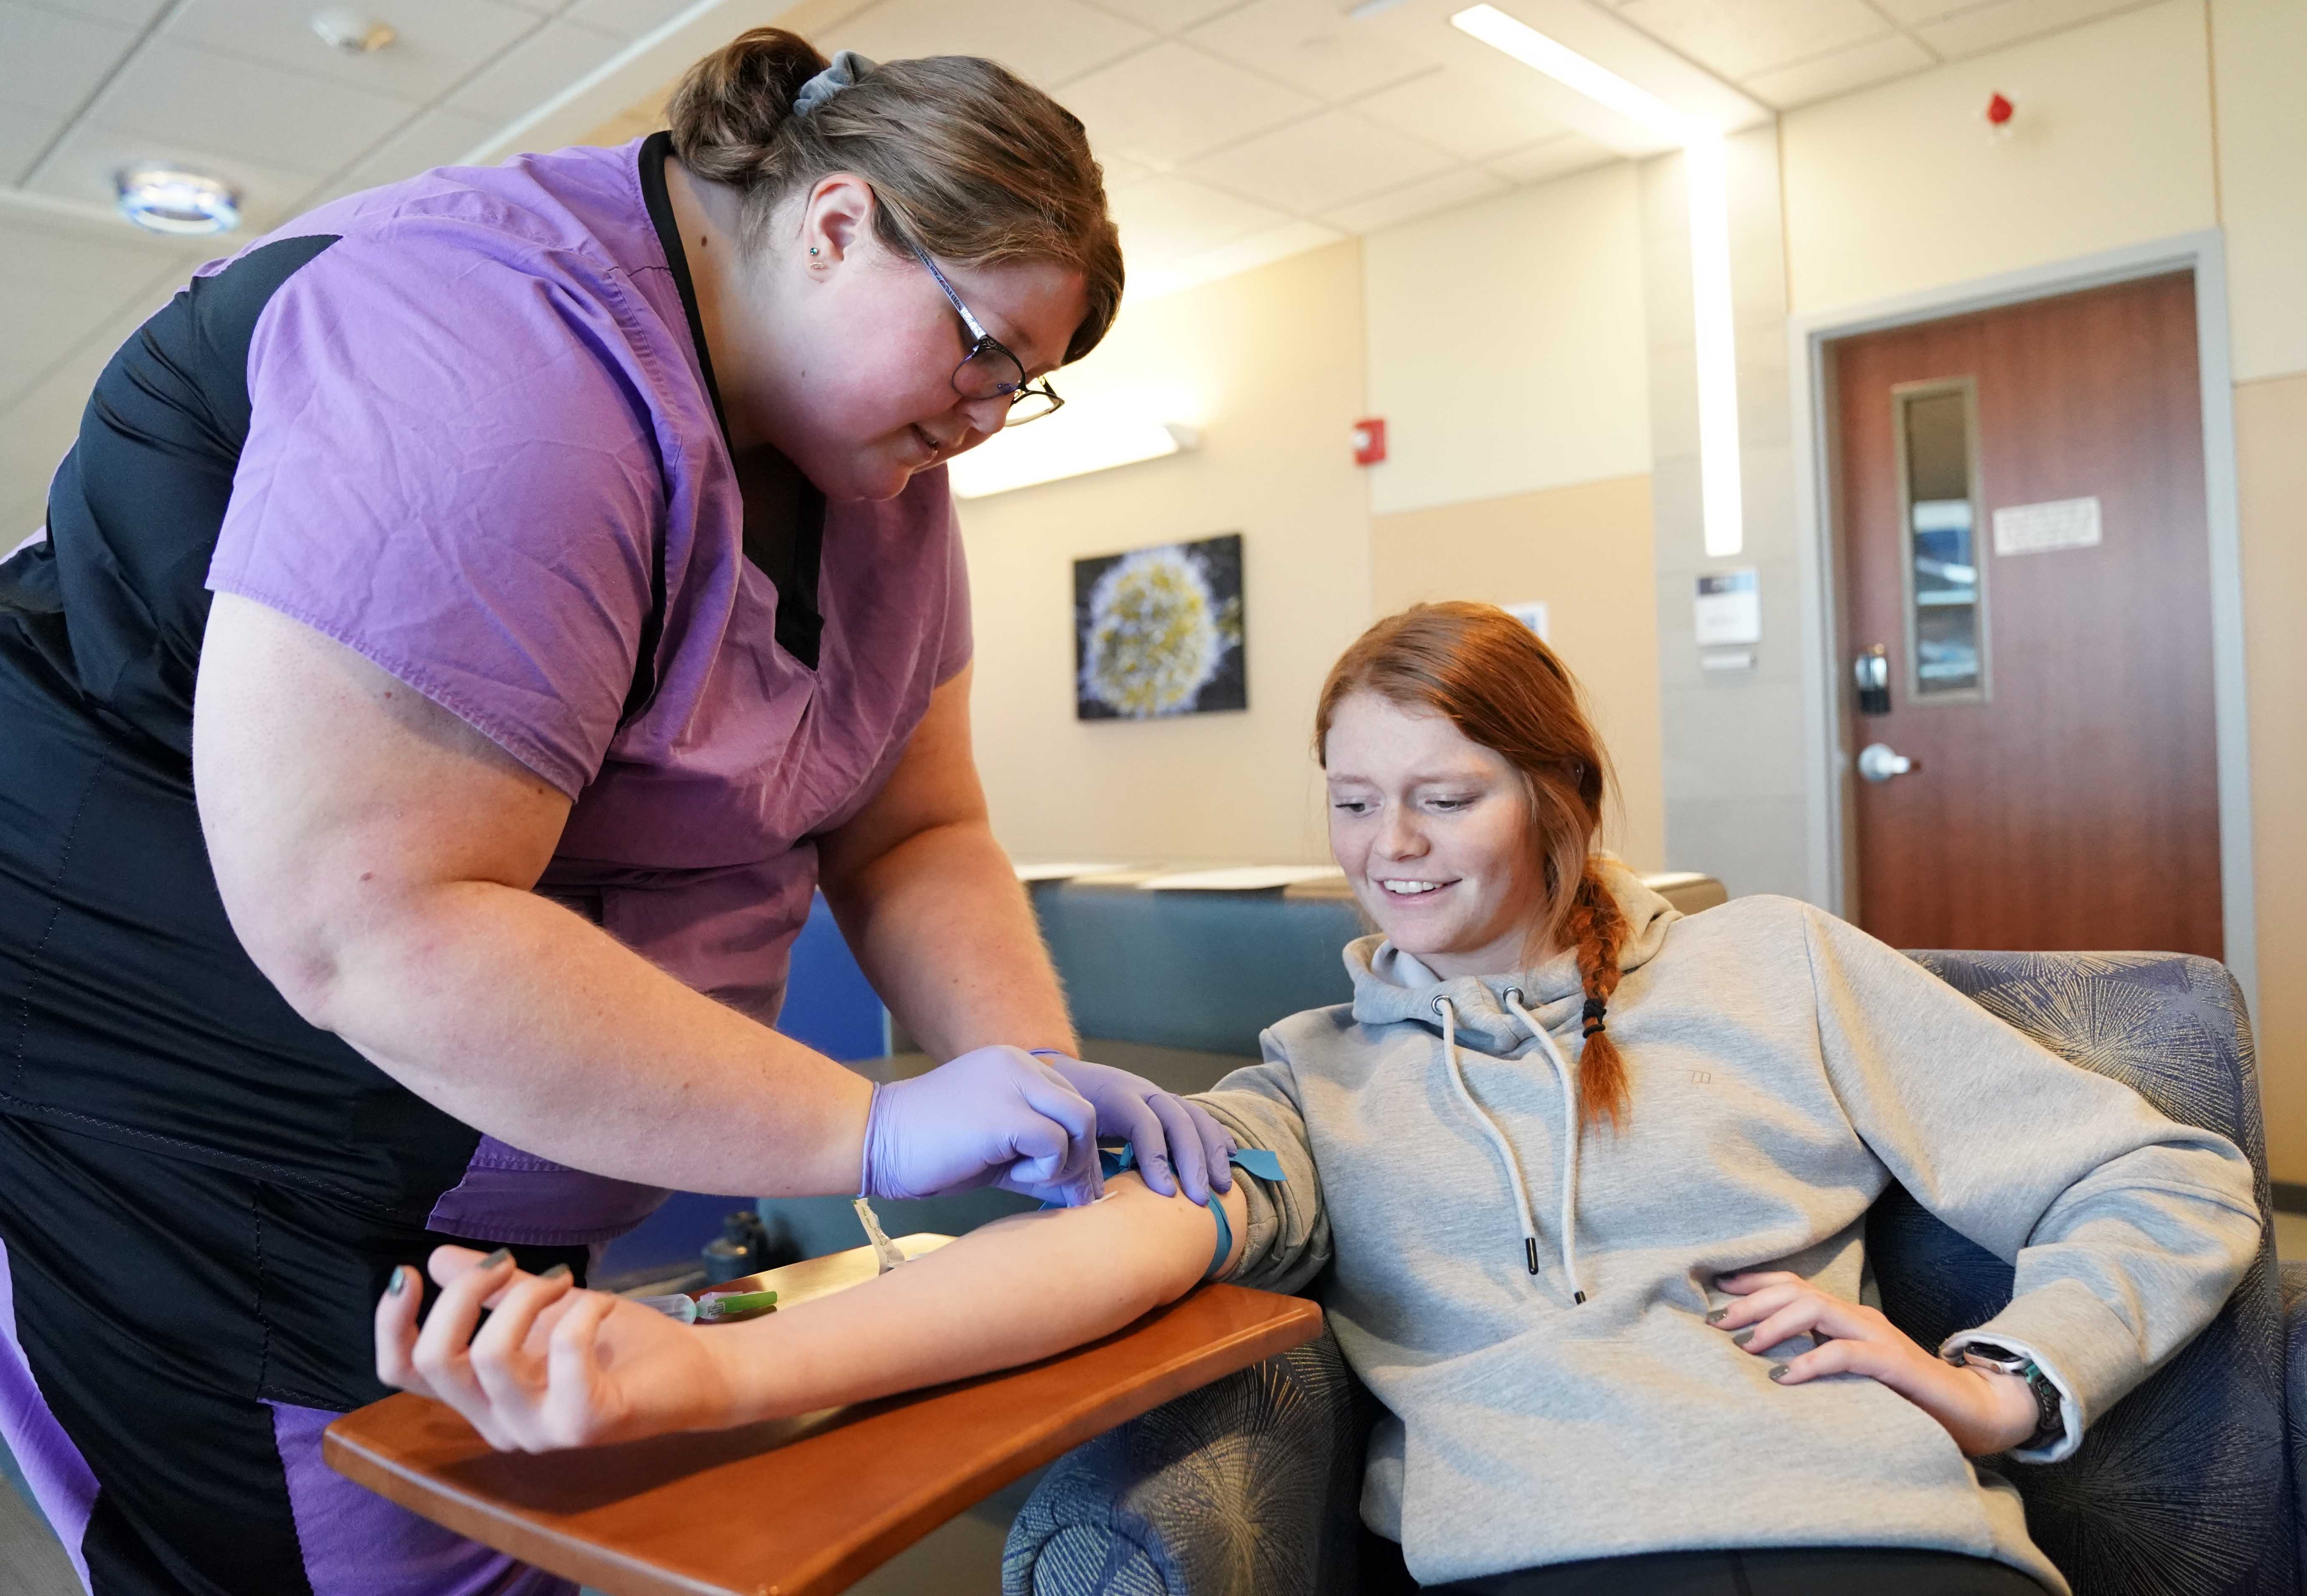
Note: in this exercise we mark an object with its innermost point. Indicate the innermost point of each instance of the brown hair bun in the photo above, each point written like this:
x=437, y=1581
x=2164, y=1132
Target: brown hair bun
x=967, y=159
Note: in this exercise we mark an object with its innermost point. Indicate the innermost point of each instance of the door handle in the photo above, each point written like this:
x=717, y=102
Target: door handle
x=1879, y=762
x=1870, y=670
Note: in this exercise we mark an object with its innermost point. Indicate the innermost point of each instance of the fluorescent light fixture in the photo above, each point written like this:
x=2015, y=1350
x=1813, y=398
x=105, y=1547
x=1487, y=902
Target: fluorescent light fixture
x=1708, y=191
x=1088, y=435
x=165, y=198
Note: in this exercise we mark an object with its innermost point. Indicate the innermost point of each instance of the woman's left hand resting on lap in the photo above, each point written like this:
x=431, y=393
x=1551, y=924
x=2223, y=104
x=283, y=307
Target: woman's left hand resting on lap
x=1984, y=1410
x=556, y=1367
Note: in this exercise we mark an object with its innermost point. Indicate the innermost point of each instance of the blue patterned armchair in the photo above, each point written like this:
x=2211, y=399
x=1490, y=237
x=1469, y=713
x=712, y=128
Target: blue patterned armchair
x=2195, y=1484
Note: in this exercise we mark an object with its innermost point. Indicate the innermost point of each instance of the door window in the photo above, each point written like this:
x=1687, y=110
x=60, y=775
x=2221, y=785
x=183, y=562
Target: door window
x=1938, y=491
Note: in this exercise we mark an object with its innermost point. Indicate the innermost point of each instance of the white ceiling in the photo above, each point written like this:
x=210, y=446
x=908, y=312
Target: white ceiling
x=1234, y=131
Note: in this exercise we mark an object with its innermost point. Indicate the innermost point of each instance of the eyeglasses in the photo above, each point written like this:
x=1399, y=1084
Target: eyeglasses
x=988, y=370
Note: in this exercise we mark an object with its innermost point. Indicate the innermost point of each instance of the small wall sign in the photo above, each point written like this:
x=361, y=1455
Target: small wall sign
x=1729, y=608
x=2040, y=528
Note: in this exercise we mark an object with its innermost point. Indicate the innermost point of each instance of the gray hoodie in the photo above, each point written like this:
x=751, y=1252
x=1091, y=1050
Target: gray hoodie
x=1785, y=1068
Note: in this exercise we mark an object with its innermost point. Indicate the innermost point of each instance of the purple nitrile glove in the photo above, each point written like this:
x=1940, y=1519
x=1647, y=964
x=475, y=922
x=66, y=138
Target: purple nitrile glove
x=1169, y=1131
x=995, y=1117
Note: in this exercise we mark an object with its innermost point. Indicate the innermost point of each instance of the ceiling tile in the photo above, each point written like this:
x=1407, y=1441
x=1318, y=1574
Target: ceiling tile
x=40, y=322
x=1045, y=41
x=82, y=167
x=1556, y=157
x=1472, y=119
x=1165, y=16
x=1246, y=255
x=1423, y=198
x=535, y=70
x=1164, y=219
x=128, y=13
x=1893, y=56
x=437, y=138
x=439, y=42
x=23, y=134
x=1740, y=38
x=52, y=62
x=1321, y=163
x=1170, y=103
x=182, y=100
x=76, y=257
x=627, y=18
x=1311, y=45
x=1120, y=171
x=1986, y=26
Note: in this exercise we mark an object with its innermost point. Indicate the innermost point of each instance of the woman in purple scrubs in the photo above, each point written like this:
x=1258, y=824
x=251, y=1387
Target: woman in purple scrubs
x=472, y=622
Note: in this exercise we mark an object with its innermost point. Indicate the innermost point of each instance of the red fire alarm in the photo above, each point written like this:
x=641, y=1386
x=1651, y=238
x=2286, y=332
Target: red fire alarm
x=1998, y=112
x=1369, y=440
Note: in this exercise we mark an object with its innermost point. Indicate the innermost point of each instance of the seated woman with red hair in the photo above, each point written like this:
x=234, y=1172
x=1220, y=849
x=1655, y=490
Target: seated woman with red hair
x=1584, y=1183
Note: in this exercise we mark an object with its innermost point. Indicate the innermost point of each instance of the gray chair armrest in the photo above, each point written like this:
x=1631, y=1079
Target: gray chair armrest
x=2294, y=1393
x=1250, y=1486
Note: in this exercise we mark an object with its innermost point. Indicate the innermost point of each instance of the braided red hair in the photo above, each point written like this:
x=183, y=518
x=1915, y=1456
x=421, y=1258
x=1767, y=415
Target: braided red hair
x=1492, y=678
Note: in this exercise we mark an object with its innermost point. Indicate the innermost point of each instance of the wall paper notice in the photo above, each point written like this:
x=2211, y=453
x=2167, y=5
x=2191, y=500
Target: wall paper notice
x=2055, y=524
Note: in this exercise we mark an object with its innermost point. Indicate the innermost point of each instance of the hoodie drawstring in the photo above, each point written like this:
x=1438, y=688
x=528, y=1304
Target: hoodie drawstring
x=1571, y=1138
x=1505, y=1148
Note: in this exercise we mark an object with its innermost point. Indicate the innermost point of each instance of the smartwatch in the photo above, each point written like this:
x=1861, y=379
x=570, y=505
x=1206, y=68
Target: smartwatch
x=2049, y=1423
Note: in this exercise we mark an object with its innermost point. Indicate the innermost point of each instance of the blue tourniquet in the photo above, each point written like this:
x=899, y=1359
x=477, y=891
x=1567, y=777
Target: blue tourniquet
x=1257, y=1161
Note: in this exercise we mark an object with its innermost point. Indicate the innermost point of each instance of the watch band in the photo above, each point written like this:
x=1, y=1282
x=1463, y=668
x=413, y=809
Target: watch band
x=2050, y=1420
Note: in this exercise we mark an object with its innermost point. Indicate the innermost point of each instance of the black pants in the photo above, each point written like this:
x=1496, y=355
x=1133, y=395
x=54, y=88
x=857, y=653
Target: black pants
x=173, y=1340
x=1796, y=1571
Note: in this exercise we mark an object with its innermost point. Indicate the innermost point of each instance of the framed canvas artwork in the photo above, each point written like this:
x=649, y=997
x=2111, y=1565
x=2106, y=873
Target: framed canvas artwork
x=1158, y=631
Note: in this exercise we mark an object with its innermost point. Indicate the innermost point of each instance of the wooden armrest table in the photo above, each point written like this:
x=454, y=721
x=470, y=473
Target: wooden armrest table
x=807, y=1505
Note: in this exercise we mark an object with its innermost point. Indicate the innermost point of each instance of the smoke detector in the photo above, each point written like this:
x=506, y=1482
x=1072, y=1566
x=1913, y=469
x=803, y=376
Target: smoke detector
x=354, y=33
x=167, y=199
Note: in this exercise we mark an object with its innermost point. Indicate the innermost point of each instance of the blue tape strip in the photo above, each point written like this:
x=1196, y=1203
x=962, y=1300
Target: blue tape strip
x=1257, y=1161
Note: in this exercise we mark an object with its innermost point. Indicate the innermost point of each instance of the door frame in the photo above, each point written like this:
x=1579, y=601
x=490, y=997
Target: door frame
x=1828, y=756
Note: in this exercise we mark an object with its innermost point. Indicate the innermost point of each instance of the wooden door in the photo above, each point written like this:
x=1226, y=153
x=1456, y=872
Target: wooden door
x=2022, y=536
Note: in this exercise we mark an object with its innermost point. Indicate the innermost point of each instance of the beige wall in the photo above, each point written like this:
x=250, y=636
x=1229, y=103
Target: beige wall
x=2259, y=56
x=1269, y=365
x=1506, y=344
x=1902, y=188
x=2270, y=420
x=1585, y=551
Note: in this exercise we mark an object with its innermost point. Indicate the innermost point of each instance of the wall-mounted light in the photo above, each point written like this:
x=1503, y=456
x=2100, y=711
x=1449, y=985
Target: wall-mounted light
x=1088, y=435
x=1705, y=178
x=166, y=198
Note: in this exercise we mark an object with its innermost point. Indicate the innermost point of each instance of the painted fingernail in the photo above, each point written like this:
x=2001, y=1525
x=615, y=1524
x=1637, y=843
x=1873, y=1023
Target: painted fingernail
x=1778, y=1371
x=558, y=1272
x=1718, y=1316
x=1741, y=1337
x=503, y=1254
x=399, y=1282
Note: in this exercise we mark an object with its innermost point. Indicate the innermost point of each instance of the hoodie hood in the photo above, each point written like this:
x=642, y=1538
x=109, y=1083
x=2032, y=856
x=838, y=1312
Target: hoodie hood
x=1391, y=986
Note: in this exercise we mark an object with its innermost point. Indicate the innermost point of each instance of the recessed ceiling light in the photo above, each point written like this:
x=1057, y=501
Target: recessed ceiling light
x=168, y=199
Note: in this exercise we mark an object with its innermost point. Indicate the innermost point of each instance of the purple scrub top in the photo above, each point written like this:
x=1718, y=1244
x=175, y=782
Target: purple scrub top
x=482, y=440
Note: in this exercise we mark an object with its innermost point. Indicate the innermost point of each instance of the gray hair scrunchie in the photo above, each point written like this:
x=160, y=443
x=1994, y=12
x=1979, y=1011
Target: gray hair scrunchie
x=847, y=67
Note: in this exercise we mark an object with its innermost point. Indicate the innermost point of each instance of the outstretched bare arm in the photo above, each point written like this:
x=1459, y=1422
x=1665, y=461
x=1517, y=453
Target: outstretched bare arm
x=555, y=1366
